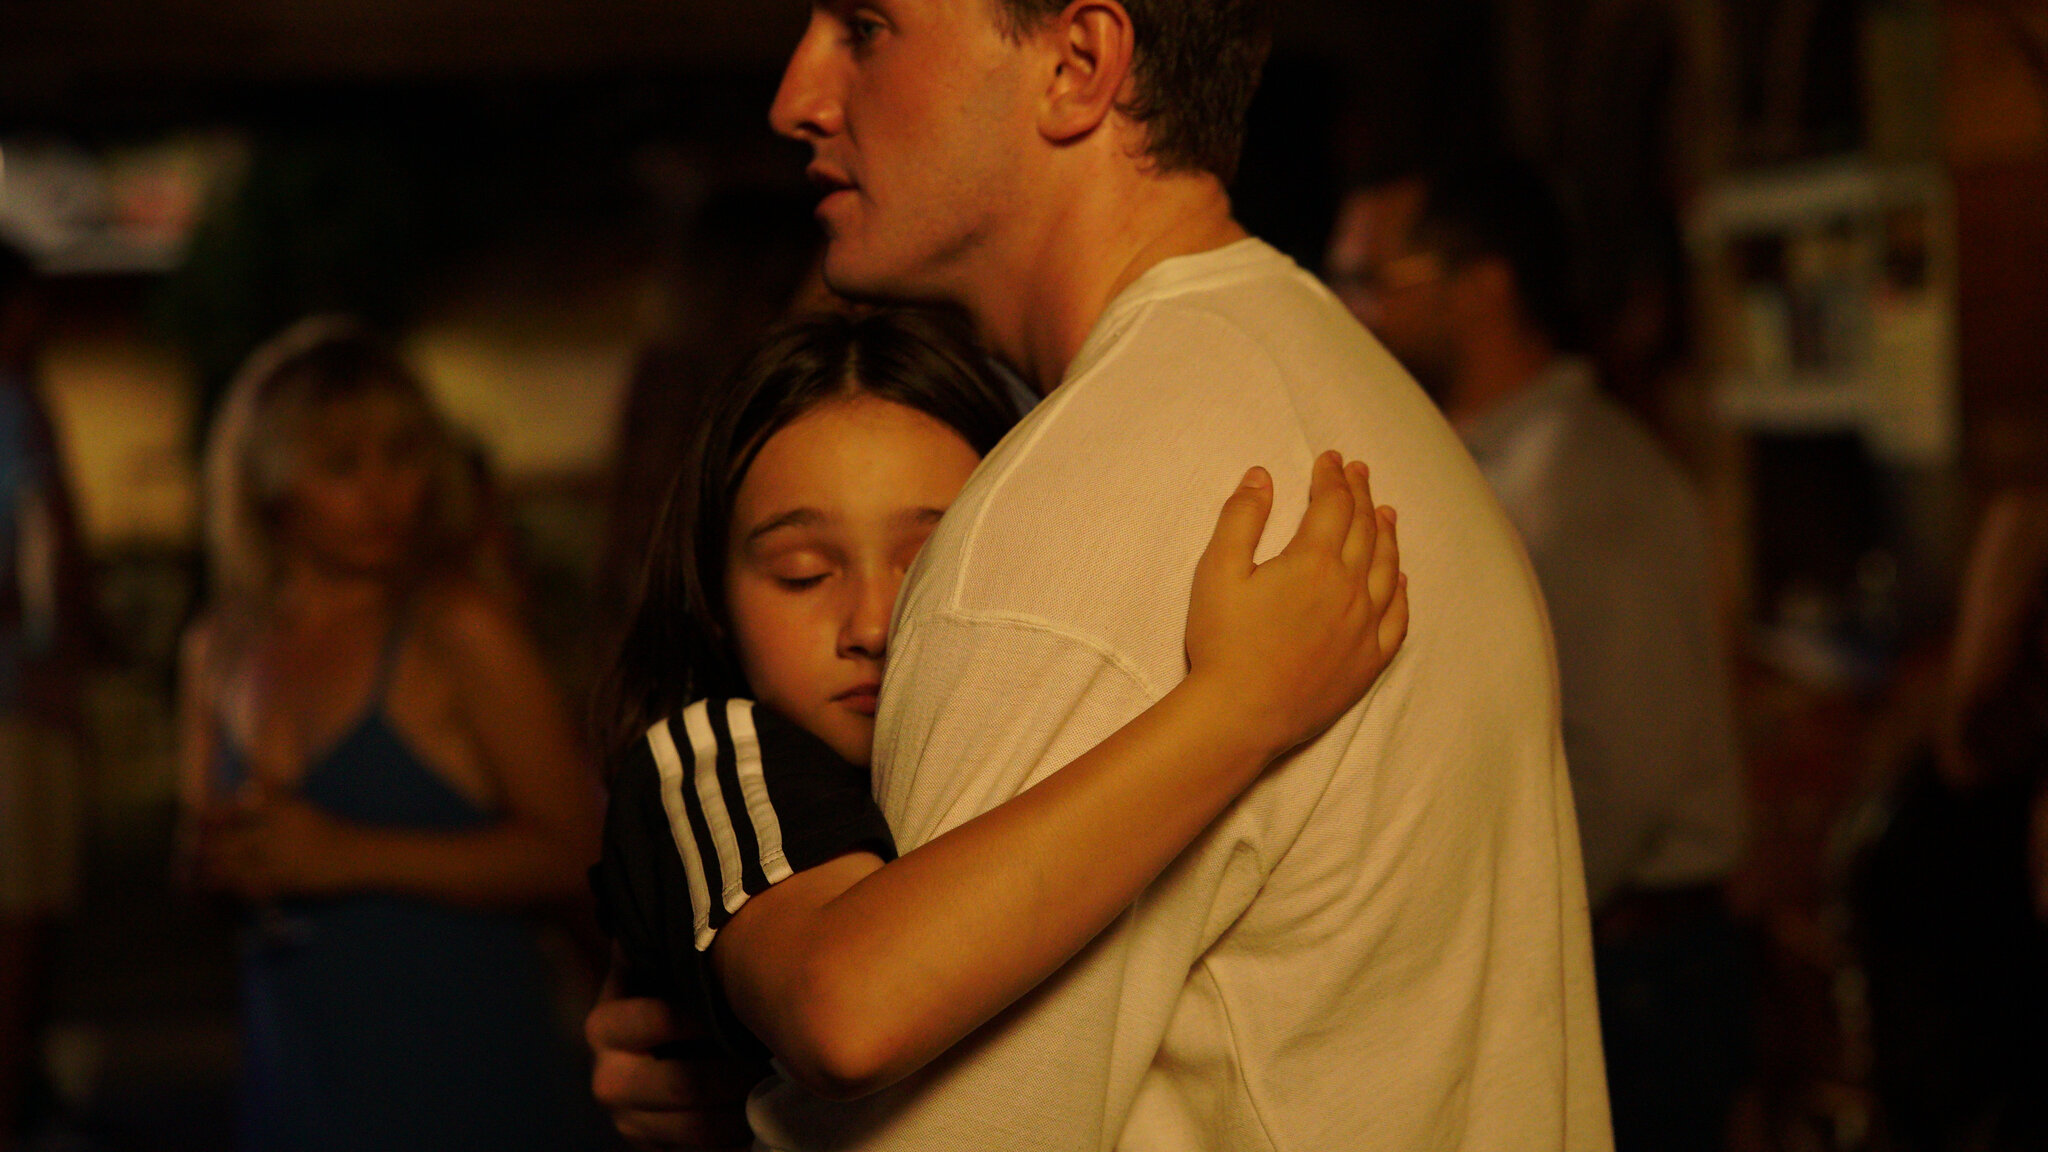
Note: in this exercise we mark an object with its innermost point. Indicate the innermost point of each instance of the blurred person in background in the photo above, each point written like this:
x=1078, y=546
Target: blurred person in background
x=43, y=632
x=1464, y=274
x=374, y=761
x=1950, y=898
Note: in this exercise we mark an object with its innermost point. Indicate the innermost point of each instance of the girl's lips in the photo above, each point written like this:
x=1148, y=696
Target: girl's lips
x=860, y=699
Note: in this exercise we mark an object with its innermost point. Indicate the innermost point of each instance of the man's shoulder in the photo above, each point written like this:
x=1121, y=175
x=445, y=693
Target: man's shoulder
x=1088, y=520
x=1259, y=359
x=1092, y=515
x=1271, y=311
x=1612, y=466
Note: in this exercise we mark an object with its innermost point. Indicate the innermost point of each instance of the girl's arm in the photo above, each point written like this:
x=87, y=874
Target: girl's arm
x=857, y=973
x=547, y=831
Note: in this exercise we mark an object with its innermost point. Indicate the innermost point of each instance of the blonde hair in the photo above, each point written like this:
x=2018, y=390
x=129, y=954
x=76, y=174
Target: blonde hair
x=253, y=454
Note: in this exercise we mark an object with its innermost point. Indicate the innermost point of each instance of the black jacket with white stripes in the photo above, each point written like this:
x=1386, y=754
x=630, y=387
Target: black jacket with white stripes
x=719, y=801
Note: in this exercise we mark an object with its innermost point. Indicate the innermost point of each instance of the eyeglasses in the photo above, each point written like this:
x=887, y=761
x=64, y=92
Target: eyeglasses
x=1388, y=277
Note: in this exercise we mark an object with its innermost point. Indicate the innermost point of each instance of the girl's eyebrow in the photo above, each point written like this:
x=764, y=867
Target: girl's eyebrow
x=794, y=518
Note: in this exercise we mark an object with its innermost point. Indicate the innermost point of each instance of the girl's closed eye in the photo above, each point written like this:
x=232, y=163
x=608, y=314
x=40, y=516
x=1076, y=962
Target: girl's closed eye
x=794, y=559
x=800, y=573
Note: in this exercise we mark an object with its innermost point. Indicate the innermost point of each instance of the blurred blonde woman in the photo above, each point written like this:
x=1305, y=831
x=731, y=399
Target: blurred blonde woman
x=373, y=760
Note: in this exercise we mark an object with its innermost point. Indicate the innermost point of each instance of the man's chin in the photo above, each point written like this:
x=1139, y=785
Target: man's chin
x=848, y=275
x=858, y=275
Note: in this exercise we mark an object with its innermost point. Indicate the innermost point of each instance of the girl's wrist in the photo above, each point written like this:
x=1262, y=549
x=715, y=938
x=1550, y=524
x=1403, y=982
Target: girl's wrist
x=1226, y=716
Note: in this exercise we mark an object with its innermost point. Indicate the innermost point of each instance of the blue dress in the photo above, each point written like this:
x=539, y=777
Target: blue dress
x=382, y=1023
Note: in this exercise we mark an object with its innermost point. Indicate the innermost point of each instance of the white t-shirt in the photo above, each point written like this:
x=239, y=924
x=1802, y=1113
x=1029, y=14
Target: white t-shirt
x=1383, y=944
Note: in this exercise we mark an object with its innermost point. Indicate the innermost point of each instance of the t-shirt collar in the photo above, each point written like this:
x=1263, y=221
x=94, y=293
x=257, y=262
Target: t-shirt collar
x=1165, y=279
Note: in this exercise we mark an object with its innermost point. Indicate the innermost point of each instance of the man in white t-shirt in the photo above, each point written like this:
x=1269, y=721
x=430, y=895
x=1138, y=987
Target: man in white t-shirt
x=1384, y=943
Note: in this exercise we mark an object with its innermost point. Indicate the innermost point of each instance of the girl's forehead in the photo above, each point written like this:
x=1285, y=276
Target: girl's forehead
x=860, y=451
x=854, y=433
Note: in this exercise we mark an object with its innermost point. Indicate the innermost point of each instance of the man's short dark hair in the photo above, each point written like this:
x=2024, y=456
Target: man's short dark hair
x=1197, y=65
x=1508, y=210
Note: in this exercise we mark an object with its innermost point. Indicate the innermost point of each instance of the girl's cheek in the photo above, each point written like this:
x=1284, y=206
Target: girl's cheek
x=777, y=642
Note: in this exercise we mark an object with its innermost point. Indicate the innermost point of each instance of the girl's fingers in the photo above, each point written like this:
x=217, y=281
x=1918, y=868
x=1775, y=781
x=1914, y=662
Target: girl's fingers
x=1328, y=519
x=1238, y=528
x=1394, y=621
x=1359, y=539
x=1382, y=578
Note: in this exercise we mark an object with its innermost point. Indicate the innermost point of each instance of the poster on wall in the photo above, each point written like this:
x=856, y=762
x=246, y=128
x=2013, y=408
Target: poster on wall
x=124, y=209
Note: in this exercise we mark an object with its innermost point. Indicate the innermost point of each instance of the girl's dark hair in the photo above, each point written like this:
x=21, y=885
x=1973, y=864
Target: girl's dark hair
x=677, y=644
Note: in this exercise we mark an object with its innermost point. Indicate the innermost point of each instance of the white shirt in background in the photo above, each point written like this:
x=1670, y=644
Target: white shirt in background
x=1620, y=548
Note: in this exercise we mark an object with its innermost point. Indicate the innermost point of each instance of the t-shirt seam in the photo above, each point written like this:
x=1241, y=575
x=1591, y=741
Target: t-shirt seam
x=1060, y=397
x=1025, y=622
x=1048, y=413
x=1299, y=424
x=1130, y=315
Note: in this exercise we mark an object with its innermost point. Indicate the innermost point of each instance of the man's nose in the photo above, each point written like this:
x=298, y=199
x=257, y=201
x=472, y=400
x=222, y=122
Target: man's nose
x=806, y=106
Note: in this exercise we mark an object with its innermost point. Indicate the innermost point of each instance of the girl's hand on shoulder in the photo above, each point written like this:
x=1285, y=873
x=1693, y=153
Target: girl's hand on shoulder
x=1291, y=644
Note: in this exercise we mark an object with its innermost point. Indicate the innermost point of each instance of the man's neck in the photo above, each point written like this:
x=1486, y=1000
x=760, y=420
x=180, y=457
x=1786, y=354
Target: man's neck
x=1038, y=312
x=1496, y=370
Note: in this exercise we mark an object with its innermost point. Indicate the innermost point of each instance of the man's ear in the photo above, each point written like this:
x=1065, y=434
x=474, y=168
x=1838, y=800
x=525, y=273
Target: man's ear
x=1093, y=44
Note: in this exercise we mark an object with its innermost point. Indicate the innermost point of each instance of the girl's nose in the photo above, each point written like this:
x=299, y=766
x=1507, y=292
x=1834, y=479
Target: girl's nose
x=866, y=632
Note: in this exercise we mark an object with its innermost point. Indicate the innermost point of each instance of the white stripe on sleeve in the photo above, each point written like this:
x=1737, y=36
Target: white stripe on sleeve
x=704, y=742
x=669, y=763
x=746, y=743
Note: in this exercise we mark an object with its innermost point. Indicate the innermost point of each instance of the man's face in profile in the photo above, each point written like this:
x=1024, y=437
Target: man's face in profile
x=1396, y=290
x=918, y=116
